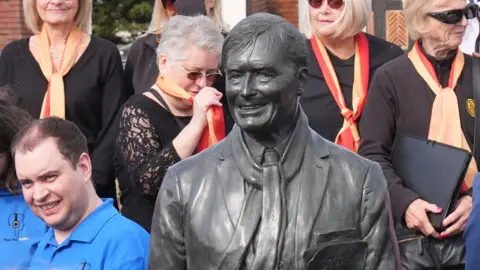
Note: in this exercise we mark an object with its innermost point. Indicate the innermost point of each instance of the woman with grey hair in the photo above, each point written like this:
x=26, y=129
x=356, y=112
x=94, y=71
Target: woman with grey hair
x=169, y=122
x=427, y=94
x=140, y=69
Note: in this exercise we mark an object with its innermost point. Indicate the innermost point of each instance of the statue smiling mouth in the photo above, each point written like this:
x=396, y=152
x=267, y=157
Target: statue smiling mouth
x=252, y=107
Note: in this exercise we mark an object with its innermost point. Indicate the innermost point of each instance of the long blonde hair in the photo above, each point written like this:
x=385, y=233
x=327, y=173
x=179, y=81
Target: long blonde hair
x=160, y=17
x=216, y=15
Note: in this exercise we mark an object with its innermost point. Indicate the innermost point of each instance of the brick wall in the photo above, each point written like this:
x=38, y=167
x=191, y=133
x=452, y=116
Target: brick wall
x=12, y=25
x=285, y=8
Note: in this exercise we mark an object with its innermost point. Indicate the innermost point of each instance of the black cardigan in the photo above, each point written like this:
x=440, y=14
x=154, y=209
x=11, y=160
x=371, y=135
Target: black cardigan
x=400, y=101
x=94, y=92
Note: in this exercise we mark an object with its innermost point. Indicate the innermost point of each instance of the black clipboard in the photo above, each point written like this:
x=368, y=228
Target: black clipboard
x=433, y=170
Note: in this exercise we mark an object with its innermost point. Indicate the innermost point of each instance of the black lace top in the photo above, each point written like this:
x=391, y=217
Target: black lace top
x=143, y=153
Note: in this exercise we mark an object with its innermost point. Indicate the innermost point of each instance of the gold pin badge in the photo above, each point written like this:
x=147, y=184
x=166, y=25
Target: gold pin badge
x=471, y=107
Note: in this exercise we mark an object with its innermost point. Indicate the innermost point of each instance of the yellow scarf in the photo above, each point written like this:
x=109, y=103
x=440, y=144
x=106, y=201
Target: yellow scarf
x=54, y=100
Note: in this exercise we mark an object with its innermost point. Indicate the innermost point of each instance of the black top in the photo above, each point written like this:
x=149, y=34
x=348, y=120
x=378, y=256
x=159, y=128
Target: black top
x=400, y=101
x=141, y=71
x=317, y=101
x=94, y=92
x=143, y=153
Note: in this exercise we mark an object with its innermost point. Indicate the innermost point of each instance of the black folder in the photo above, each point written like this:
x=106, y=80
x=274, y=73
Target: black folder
x=433, y=170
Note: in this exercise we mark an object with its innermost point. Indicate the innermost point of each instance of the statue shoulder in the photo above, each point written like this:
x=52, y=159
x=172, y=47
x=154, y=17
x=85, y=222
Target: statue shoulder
x=201, y=162
x=340, y=157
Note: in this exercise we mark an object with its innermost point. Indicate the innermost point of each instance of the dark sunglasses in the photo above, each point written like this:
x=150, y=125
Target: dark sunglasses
x=195, y=75
x=455, y=16
x=334, y=4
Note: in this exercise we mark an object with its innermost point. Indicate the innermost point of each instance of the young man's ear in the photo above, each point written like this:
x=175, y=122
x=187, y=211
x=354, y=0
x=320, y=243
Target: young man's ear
x=85, y=165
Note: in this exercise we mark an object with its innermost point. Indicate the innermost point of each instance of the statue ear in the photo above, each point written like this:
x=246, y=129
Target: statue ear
x=302, y=79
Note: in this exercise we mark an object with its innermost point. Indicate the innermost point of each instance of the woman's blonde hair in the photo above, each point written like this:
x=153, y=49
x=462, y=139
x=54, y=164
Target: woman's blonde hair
x=415, y=12
x=354, y=17
x=216, y=15
x=160, y=17
x=34, y=22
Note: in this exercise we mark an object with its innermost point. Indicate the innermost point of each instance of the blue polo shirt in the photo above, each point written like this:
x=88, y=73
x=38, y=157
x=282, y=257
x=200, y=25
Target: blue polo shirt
x=19, y=230
x=104, y=240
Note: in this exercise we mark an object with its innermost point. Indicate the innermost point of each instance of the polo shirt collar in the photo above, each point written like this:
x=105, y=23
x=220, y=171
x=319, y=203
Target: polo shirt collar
x=90, y=226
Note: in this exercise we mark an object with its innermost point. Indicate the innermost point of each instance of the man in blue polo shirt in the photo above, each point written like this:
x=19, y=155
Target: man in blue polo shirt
x=55, y=170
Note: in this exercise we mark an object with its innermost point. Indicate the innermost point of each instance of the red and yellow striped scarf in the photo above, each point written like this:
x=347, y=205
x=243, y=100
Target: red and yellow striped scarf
x=348, y=135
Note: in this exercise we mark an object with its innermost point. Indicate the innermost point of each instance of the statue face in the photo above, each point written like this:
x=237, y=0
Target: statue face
x=262, y=85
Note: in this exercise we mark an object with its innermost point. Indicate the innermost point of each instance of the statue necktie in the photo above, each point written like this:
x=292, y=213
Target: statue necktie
x=273, y=222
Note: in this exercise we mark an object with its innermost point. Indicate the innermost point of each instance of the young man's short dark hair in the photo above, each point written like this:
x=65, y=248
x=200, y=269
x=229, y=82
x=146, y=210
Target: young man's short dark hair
x=70, y=140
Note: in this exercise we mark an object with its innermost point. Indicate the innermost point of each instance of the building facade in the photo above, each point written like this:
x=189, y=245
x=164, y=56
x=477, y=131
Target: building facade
x=12, y=24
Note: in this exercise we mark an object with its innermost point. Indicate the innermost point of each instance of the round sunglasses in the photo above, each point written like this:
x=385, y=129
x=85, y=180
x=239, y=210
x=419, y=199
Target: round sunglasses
x=195, y=75
x=455, y=16
x=334, y=4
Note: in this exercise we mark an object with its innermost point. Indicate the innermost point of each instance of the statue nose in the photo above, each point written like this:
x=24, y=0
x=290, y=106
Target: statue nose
x=246, y=87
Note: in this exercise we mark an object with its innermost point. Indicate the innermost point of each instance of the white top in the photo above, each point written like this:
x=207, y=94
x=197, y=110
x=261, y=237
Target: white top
x=471, y=34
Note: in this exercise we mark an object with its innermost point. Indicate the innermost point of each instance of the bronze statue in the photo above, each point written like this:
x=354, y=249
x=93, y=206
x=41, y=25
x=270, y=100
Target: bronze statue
x=273, y=194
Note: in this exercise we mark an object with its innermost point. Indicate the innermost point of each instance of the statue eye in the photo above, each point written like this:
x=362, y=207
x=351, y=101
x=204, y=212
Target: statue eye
x=234, y=77
x=264, y=77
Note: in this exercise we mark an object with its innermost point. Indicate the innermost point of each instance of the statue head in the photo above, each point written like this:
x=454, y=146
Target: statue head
x=265, y=61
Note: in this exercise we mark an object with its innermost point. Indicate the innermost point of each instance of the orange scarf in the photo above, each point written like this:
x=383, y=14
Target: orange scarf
x=54, y=100
x=348, y=135
x=445, y=125
x=215, y=130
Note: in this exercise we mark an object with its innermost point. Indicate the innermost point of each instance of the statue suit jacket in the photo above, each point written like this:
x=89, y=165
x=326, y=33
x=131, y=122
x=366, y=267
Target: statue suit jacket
x=343, y=199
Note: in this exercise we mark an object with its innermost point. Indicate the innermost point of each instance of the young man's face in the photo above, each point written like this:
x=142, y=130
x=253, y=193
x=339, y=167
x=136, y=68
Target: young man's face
x=55, y=191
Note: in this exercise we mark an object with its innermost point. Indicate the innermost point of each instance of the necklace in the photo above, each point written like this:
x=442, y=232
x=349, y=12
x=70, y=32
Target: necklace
x=55, y=55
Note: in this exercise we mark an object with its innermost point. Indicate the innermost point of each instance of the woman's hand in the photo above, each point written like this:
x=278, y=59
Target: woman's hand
x=206, y=98
x=417, y=219
x=187, y=140
x=458, y=219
